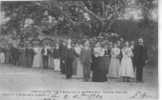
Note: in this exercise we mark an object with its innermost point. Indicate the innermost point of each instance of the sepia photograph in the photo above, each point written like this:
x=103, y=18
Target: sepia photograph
x=79, y=50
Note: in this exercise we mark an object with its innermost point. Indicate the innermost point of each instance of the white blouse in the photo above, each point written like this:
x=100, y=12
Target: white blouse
x=99, y=52
x=115, y=52
x=127, y=52
x=77, y=49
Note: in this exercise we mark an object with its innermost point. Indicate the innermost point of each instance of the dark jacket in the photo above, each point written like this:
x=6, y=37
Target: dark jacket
x=140, y=55
x=43, y=51
x=29, y=52
x=63, y=50
x=69, y=61
x=56, y=53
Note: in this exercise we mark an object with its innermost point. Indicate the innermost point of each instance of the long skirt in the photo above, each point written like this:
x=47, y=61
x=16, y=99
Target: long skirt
x=107, y=62
x=99, y=76
x=114, y=68
x=57, y=64
x=51, y=62
x=79, y=72
x=126, y=69
x=2, y=58
x=74, y=66
x=99, y=70
x=7, y=57
x=37, y=61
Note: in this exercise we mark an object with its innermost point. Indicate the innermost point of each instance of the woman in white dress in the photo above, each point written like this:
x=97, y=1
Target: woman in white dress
x=51, y=60
x=2, y=57
x=78, y=64
x=37, y=61
x=126, y=70
x=114, y=62
x=56, y=56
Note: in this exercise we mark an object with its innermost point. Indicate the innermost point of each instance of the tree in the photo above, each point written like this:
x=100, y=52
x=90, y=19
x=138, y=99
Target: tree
x=62, y=16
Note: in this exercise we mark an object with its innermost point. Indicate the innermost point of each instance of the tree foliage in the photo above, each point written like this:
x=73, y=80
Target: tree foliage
x=64, y=17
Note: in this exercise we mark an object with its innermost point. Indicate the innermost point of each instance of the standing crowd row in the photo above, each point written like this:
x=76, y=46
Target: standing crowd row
x=120, y=59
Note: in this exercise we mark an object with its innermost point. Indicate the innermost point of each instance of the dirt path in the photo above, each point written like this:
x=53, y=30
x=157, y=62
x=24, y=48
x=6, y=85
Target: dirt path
x=18, y=83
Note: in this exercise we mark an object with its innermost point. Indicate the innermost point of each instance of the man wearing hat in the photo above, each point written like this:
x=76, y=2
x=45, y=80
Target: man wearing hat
x=140, y=59
x=63, y=56
x=29, y=53
x=69, y=60
x=45, y=55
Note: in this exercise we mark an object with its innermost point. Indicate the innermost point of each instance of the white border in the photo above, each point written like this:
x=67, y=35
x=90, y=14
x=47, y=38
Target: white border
x=160, y=47
x=159, y=43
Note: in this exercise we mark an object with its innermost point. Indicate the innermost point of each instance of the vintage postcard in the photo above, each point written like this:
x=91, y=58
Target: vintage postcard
x=79, y=50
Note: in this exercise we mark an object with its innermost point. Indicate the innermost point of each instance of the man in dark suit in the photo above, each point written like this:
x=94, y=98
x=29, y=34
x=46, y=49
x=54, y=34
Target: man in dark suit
x=45, y=55
x=29, y=54
x=14, y=54
x=140, y=59
x=69, y=60
x=63, y=57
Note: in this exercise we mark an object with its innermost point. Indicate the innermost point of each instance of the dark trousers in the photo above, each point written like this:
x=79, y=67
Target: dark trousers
x=29, y=61
x=62, y=66
x=45, y=61
x=86, y=76
x=139, y=73
x=69, y=68
x=14, y=60
x=86, y=71
x=7, y=58
x=69, y=71
x=69, y=74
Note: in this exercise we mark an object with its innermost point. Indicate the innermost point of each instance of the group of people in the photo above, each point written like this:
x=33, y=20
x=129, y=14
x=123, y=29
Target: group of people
x=95, y=62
